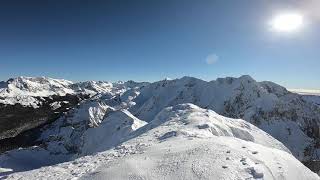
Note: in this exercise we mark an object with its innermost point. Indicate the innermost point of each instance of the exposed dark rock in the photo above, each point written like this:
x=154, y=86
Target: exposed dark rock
x=20, y=125
x=313, y=166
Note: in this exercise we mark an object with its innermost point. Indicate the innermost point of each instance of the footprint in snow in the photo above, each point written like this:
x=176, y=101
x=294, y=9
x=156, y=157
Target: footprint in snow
x=243, y=161
x=254, y=152
x=256, y=172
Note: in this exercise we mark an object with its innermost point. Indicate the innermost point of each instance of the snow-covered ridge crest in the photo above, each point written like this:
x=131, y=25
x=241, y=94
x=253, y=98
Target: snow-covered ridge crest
x=213, y=94
x=191, y=121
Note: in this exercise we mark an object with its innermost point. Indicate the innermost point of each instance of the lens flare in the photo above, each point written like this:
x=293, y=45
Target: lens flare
x=288, y=22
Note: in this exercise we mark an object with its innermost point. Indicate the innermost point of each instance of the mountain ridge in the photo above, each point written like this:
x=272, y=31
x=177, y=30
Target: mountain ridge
x=112, y=114
x=182, y=142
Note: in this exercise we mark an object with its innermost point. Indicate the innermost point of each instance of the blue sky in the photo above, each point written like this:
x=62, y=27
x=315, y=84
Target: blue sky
x=152, y=40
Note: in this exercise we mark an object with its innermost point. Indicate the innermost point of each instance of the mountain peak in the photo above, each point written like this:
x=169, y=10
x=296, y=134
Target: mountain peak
x=246, y=78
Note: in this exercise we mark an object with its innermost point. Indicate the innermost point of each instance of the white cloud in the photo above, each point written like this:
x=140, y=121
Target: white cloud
x=212, y=58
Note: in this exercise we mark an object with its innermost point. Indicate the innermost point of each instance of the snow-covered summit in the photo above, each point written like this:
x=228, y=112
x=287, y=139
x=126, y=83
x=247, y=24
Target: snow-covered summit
x=191, y=121
x=213, y=94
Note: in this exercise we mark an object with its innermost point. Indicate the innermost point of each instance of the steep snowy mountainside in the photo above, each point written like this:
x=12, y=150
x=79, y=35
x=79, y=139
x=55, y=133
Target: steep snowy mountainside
x=116, y=126
x=16, y=119
x=181, y=142
x=90, y=128
x=264, y=104
x=313, y=99
x=312, y=96
x=214, y=94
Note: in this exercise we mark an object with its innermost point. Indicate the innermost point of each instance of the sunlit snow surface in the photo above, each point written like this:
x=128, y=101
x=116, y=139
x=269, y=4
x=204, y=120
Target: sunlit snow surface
x=182, y=142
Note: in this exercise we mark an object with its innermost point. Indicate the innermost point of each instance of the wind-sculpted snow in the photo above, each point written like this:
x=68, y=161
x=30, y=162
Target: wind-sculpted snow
x=181, y=142
x=191, y=121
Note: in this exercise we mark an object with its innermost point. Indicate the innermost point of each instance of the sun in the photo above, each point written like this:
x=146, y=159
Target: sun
x=287, y=22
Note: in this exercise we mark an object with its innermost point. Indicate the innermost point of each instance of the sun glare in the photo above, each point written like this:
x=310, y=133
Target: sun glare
x=288, y=22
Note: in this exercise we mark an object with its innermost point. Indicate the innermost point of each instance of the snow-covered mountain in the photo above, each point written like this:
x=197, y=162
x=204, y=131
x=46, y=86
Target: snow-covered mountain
x=25, y=90
x=285, y=115
x=172, y=129
x=35, y=86
x=43, y=99
x=181, y=142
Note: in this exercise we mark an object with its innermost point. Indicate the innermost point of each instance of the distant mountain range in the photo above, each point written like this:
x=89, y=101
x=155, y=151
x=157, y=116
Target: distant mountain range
x=315, y=92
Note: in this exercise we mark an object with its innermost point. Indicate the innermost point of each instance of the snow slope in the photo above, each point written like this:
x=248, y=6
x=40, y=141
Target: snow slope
x=183, y=142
